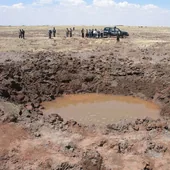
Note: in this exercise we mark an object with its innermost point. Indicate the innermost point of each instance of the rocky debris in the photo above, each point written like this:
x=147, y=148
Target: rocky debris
x=55, y=121
x=123, y=146
x=91, y=160
x=102, y=143
x=48, y=164
x=165, y=111
x=6, y=114
x=29, y=107
x=135, y=127
x=70, y=146
x=158, y=148
x=10, y=118
x=147, y=167
x=37, y=134
x=20, y=97
x=163, y=96
x=121, y=127
x=64, y=166
x=89, y=77
x=158, y=125
x=71, y=124
x=146, y=123
x=54, y=118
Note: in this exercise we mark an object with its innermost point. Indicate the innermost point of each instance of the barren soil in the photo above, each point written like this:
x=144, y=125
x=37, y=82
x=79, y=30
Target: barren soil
x=38, y=69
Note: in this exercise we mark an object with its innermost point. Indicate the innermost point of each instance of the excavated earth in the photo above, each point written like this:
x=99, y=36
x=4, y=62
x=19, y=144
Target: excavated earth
x=33, y=140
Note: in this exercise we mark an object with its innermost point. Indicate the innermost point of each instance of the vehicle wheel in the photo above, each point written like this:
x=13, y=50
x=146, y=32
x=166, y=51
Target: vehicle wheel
x=122, y=36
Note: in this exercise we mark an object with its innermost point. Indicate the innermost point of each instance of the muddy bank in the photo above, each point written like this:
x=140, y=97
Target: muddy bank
x=45, y=75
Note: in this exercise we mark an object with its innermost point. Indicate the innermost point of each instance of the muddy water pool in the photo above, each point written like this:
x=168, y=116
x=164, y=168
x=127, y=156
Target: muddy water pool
x=101, y=109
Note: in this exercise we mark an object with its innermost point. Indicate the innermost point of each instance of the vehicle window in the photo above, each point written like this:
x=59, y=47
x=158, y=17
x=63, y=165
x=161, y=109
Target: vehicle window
x=106, y=29
x=112, y=29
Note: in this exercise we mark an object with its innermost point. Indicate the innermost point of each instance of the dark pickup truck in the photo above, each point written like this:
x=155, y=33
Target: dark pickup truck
x=113, y=31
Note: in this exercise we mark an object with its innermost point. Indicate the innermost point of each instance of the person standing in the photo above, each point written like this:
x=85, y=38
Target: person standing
x=20, y=33
x=23, y=34
x=82, y=32
x=118, y=37
x=99, y=33
x=54, y=32
x=71, y=32
x=95, y=33
x=87, y=33
x=49, y=34
x=67, y=32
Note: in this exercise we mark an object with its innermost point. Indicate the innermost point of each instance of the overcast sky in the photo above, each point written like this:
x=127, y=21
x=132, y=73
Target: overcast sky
x=85, y=12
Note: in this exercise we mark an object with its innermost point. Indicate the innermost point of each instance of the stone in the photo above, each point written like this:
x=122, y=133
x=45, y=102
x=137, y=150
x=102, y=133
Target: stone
x=147, y=167
x=135, y=127
x=52, y=118
x=29, y=107
x=102, y=142
x=91, y=160
x=20, y=97
x=70, y=146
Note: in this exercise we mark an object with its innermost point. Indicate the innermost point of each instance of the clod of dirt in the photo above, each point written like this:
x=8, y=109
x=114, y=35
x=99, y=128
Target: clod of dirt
x=64, y=166
x=8, y=112
x=124, y=146
x=91, y=160
x=147, y=167
x=118, y=127
x=70, y=146
x=102, y=143
x=54, y=118
x=159, y=125
x=158, y=148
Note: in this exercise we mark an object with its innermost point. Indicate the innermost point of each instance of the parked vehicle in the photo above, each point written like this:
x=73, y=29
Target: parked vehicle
x=114, y=31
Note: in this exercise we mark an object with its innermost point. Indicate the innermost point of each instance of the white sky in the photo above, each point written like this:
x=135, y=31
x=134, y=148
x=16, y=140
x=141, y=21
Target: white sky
x=78, y=12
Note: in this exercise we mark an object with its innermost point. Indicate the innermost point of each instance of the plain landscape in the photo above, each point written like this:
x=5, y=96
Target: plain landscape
x=38, y=69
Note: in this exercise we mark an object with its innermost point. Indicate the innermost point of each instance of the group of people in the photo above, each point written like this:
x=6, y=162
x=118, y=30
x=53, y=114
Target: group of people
x=50, y=32
x=92, y=33
x=88, y=33
x=69, y=32
x=22, y=33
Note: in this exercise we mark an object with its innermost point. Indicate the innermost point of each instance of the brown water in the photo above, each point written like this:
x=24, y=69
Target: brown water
x=100, y=109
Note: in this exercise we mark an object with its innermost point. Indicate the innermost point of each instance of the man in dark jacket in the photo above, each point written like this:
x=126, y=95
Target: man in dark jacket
x=87, y=33
x=23, y=34
x=71, y=32
x=20, y=33
x=67, y=32
x=82, y=33
x=54, y=32
x=118, y=37
x=49, y=34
